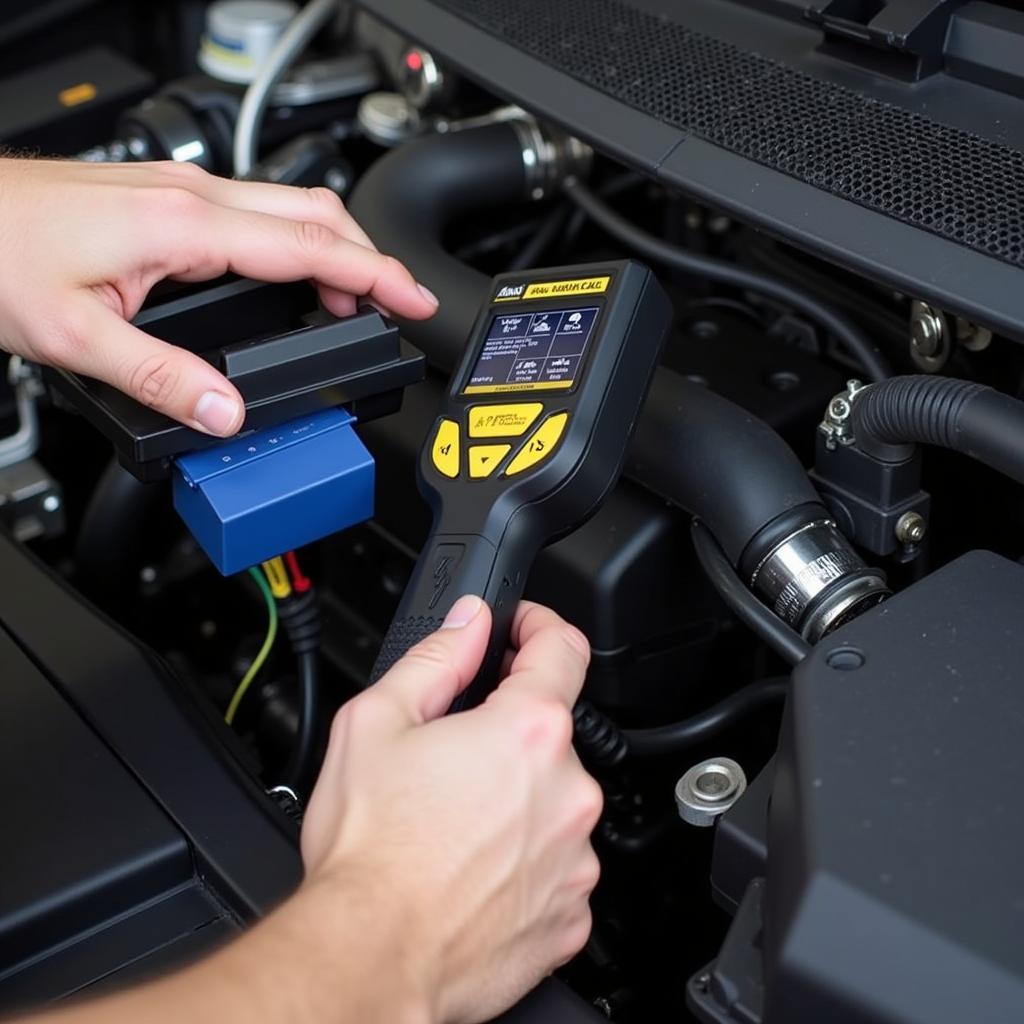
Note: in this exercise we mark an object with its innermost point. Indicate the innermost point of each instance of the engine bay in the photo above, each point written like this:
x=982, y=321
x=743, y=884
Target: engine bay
x=799, y=585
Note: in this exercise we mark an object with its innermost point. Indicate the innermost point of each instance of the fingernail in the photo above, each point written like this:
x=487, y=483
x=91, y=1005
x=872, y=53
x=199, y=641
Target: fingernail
x=217, y=413
x=428, y=294
x=463, y=612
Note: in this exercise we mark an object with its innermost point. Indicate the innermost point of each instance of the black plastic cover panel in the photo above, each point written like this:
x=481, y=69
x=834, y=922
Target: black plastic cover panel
x=919, y=187
x=894, y=890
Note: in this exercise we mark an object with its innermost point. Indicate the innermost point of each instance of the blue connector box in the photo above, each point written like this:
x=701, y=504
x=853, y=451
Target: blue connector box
x=255, y=497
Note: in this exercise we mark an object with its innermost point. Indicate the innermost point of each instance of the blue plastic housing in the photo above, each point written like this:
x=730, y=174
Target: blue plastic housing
x=255, y=497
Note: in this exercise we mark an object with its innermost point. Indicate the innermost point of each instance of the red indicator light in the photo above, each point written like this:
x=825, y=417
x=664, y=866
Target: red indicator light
x=413, y=61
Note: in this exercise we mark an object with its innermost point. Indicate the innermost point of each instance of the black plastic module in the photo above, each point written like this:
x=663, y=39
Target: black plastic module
x=285, y=357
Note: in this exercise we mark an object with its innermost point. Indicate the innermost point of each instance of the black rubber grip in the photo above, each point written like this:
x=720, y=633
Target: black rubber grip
x=449, y=566
x=402, y=636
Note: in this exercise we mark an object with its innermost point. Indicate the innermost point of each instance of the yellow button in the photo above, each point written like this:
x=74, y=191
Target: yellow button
x=540, y=445
x=484, y=457
x=502, y=420
x=445, y=451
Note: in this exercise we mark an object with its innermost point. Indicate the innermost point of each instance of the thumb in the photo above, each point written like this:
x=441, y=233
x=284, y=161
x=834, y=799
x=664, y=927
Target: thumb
x=164, y=377
x=423, y=683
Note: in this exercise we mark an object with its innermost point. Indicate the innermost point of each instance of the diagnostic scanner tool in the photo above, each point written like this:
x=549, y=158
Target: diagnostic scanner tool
x=530, y=439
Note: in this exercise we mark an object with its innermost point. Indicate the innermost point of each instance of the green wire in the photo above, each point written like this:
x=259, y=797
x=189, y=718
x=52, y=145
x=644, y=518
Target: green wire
x=268, y=643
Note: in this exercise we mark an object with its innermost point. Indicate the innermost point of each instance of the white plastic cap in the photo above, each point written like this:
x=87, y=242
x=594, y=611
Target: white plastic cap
x=239, y=35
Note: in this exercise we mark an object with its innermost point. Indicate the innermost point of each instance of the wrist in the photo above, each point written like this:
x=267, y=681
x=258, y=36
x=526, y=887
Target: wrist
x=365, y=961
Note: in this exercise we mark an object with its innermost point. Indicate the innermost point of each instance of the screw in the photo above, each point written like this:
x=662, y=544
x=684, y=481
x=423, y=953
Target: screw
x=51, y=503
x=911, y=528
x=147, y=574
x=839, y=409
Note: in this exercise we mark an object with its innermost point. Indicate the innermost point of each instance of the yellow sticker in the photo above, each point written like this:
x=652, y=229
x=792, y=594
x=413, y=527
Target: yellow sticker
x=554, y=289
x=500, y=389
x=73, y=95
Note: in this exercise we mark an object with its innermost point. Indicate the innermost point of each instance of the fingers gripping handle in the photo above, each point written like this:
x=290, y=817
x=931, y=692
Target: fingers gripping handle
x=450, y=566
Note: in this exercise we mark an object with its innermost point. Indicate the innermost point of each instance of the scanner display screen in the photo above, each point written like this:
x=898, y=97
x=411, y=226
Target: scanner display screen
x=533, y=351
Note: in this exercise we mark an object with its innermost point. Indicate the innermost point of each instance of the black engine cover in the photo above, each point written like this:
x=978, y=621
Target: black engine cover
x=894, y=891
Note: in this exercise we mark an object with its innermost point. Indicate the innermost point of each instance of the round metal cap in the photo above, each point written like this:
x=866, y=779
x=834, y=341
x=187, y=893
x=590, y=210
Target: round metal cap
x=239, y=35
x=387, y=118
x=709, y=789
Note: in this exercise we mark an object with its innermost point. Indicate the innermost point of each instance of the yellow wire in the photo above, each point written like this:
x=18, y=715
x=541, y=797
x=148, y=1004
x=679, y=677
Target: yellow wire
x=277, y=575
x=268, y=643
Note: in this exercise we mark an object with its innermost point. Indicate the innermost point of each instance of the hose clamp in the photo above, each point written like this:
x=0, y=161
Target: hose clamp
x=815, y=581
x=550, y=156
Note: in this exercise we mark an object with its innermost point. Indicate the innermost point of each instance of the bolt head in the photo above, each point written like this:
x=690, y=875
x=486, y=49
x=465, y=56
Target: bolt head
x=926, y=330
x=709, y=789
x=51, y=503
x=911, y=528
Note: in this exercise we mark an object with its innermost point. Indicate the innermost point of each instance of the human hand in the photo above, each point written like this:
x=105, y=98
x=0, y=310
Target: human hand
x=82, y=244
x=469, y=833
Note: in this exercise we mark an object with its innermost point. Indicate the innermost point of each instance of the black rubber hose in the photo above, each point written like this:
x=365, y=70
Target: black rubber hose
x=872, y=362
x=787, y=643
x=681, y=736
x=975, y=420
x=409, y=197
x=717, y=461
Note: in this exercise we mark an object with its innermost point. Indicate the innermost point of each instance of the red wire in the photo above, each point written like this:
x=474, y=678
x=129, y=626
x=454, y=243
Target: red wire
x=300, y=582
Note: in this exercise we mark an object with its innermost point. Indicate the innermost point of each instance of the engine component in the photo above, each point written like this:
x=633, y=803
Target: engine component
x=878, y=503
x=239, y=36
x=708, y=790
x=388, y=119
x=579, y=344
x=424, y=84
x=926, y=689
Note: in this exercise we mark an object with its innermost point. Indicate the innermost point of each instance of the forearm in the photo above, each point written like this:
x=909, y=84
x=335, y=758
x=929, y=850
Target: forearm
x=307, y=962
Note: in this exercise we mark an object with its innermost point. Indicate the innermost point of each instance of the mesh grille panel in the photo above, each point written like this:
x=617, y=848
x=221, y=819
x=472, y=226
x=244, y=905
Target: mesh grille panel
x=943, y=180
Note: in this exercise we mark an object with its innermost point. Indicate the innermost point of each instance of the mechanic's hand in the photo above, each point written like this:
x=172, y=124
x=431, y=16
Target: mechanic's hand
x=473, y=830
x=82, y=244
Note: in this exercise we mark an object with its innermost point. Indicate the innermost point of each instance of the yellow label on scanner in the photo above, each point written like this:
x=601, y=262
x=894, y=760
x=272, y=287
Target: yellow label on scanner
x=502, y=389
x=554, y=289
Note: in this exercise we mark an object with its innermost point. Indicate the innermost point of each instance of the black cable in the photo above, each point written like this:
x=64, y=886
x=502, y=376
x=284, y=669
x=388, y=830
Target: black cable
x=603, y=742
x=301, y=765
x=787, y=643
x=541, y=239
x=680, y=736
x=300, y=619
x=873, y=363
